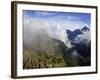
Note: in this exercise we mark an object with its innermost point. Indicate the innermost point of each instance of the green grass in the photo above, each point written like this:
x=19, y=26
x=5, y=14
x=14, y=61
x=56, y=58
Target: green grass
x=39, y=59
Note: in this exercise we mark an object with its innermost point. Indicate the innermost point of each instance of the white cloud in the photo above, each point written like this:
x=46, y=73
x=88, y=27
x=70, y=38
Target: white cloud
x=55, y=29
x=72, y=25
x=85, y=35
x=33, y=27
x=84, y=38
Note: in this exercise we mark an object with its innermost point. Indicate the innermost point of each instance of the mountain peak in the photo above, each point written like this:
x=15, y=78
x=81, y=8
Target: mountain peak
x=85, y=28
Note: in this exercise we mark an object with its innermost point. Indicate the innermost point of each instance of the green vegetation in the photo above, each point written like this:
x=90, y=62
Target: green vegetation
x=46, y=55
x=39, y=59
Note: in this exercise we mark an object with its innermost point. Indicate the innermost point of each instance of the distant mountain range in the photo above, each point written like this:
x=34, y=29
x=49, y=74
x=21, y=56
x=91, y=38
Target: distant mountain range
x=73, y=34
x=79, y=38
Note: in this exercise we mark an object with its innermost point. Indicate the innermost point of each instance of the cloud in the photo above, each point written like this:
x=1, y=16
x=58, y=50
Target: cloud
x=84, y=38
x=33, y=27
x=85, y=35
x=55, y=29
x=72, y=25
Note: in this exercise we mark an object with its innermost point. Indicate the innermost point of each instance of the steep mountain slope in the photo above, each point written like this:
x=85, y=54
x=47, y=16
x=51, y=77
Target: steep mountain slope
x=80, y=39
x=45, y=52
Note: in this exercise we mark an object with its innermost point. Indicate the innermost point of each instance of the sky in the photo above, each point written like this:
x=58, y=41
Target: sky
x=56, y=17
x=54, y=23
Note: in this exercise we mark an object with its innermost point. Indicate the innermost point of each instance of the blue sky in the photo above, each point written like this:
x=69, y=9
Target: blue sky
x=58, y=16
x=66, y=20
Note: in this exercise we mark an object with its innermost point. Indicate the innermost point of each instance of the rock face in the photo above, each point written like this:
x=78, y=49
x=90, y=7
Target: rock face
x=80, y=39
x=85, y=28
x=73, y=34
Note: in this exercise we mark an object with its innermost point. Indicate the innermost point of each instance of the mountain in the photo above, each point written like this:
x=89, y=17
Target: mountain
x=83, y=38
x=85, y=28
x=77, y=35
x=73, y=34
x=40, y=50
x=80, y=39
x=45, y=52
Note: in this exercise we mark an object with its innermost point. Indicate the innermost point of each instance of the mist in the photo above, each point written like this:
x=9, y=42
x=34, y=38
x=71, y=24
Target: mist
x=35, y=27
